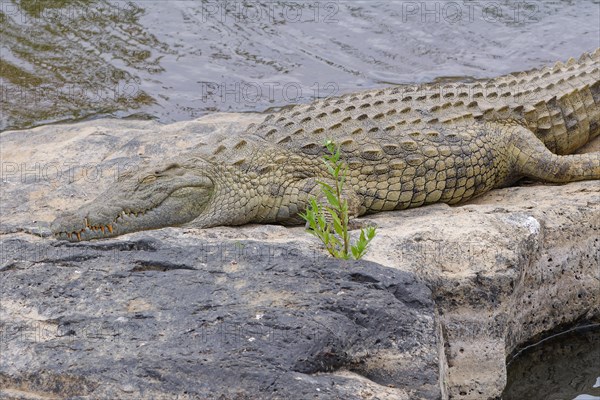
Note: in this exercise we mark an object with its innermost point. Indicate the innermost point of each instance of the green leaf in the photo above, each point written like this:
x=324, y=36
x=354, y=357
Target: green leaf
x=332, y=198
x=371, y=232
x=321, y=221
x=334, y=240
x=330, y=167
x=325, y=185
x=337, y=223
x=330, y=146
x=336, y=170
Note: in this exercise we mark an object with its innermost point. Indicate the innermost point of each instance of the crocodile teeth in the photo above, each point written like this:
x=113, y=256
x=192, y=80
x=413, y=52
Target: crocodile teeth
x=102, y=229
x=110, y=228
x=78, y=236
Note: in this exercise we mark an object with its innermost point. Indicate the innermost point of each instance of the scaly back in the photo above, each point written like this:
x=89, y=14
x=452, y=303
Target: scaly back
x=560, y=104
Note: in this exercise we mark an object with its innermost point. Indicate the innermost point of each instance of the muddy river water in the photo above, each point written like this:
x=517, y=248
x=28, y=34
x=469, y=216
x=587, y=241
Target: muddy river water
x=175, y=60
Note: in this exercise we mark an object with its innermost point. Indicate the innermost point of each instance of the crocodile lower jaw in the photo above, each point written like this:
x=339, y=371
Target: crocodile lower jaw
x=124, y=222
x=114, y=216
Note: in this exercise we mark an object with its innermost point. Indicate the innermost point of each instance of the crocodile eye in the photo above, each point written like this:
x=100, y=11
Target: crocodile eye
x=149, y=179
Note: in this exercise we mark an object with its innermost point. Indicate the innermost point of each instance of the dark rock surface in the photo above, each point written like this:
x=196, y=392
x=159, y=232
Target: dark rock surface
x=150, y=318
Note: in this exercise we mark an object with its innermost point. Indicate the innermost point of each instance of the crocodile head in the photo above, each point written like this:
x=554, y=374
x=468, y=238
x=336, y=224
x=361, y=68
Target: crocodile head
x=170, y=194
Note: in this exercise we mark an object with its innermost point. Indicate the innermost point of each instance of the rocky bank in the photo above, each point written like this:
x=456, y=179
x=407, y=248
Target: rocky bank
x=443, y=296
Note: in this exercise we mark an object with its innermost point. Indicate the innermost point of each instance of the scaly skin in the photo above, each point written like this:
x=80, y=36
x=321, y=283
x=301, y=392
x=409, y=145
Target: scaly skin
x=404, y=146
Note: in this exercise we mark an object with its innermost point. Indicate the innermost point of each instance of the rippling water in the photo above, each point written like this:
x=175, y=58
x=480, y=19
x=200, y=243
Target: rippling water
x=177, y=60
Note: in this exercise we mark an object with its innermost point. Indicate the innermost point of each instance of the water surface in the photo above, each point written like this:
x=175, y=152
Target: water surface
x=67, y=60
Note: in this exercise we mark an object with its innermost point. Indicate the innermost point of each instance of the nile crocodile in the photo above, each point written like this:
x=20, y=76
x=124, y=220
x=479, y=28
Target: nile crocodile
x=404, y=146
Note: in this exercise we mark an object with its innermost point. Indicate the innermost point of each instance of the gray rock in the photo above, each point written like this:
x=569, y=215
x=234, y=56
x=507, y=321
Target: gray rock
x=148, y=318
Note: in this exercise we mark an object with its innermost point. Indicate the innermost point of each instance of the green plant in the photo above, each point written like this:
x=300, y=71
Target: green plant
x=329, y=222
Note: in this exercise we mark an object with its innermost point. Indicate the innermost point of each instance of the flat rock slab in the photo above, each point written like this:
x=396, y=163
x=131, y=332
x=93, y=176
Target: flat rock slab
x=260, y=311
